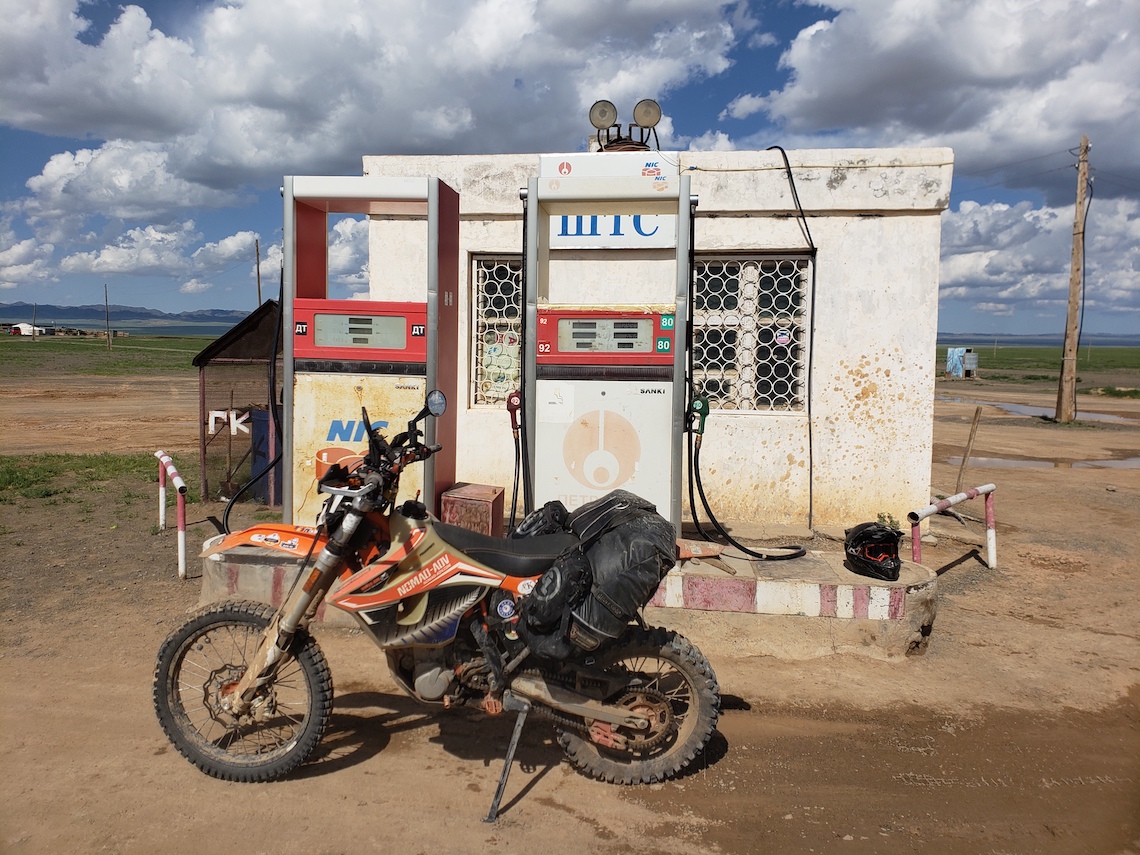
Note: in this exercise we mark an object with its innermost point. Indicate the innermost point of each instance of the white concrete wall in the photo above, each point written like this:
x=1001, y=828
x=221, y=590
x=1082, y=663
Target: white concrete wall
x=874, y=218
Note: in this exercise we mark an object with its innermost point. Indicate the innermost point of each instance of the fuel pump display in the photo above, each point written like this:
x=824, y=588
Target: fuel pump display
x=349, y=354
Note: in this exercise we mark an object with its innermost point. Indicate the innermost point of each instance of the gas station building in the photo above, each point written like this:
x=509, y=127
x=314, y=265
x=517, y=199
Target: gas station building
x=814, y=335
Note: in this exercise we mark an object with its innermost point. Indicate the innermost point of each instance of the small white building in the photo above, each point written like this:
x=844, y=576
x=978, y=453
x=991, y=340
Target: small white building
x=27, y=329
x=819, y=363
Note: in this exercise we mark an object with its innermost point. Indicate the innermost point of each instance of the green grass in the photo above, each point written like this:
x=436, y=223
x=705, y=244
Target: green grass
x=38, y=476
x=130, y=356
x=1113, y=392
x=1017, y=358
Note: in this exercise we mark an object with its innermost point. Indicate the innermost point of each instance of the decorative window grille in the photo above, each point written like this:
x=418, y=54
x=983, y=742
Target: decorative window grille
x=498, y=327
x=749, y=332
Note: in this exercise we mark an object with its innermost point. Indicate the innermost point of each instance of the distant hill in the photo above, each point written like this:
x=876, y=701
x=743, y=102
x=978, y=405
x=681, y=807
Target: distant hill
x=133, y=319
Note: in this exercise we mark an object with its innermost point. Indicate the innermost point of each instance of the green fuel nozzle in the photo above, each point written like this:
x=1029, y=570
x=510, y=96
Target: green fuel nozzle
x=700, y=410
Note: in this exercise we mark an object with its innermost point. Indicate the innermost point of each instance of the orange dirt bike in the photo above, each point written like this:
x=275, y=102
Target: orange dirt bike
x=245, y=694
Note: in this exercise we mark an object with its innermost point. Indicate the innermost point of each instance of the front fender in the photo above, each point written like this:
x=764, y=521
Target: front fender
x=298, y=541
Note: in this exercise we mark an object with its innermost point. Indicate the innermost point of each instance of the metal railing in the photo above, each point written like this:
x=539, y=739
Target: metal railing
x=916, y=517
x=166, y=470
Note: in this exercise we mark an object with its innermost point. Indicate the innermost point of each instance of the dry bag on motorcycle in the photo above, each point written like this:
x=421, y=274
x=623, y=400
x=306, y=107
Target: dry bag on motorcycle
x=589, y=596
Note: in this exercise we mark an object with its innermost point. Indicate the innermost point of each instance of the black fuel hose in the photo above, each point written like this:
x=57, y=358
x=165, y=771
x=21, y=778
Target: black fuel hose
x=795, y=550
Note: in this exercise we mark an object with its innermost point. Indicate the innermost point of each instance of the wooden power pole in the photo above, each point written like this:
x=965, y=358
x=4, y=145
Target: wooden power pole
x=107, y=311
x=257, y=253
x=1067, y=387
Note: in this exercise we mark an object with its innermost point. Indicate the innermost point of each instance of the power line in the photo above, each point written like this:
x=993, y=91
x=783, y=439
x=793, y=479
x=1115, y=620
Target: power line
x=989, y=169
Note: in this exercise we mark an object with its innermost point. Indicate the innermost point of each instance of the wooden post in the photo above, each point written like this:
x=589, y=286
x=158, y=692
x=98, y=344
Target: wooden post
x=969, y=449
x=257, y=254
x=1067, y=386
x=107, y=310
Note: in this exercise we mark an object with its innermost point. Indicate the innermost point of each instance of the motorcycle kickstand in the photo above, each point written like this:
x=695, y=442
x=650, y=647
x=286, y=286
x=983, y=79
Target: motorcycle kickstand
x=510, y=702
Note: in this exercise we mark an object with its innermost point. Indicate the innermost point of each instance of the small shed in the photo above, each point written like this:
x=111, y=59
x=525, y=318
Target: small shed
x=239, y=378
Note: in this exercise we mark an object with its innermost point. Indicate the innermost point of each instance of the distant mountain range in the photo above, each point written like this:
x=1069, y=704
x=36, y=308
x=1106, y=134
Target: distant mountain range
x=130, y=319
x=15, y=313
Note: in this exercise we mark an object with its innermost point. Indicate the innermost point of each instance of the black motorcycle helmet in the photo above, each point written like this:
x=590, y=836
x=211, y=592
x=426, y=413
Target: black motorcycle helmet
x=873, y=550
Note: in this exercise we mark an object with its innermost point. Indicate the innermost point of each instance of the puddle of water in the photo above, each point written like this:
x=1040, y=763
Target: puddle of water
x=1047, y=412
x=1008, y=463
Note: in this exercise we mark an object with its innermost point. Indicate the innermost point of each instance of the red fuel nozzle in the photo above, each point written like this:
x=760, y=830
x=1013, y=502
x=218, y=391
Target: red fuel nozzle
x=514, y=403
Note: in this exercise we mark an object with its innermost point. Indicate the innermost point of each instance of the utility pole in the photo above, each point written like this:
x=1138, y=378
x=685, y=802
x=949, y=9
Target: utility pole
x=107, y=312
x=257, y=251
x=1067, y=387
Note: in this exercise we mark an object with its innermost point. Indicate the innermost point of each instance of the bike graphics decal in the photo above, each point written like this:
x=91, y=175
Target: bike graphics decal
x=429, y=574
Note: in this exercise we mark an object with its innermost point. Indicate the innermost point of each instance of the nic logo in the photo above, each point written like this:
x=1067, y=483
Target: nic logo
x=651, y=170
x=351, y=430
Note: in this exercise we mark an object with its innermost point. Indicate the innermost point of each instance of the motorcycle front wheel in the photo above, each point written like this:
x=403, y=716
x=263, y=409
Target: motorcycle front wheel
x=668, y=679
x=202, y=661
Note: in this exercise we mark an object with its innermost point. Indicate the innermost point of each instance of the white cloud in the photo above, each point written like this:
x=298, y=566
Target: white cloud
x=195, y=286
x=225, y=253
x=998, y=80
x=712, y=141
x=261, y=88
x=348, y=253
x=998, y=256
x=145, y=251
x=136, y=83
x=23, y=261
x=742, y=106
x=121, y=180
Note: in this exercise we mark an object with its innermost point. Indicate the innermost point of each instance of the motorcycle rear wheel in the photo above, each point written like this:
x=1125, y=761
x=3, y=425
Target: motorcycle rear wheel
x=668, y=678
x=202, y=659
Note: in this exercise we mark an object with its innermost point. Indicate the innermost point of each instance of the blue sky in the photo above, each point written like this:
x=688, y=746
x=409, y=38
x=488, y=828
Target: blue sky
x=143, y=145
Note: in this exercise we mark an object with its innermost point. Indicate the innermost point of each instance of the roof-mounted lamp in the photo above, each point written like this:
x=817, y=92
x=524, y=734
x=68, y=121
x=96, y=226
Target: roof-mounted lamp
x=646, y=115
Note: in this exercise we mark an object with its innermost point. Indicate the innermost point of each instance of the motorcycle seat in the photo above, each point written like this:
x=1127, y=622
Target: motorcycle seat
x=526, y=556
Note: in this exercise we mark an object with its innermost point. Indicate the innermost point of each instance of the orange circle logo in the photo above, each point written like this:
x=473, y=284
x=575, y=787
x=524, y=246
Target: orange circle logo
x=601, y=450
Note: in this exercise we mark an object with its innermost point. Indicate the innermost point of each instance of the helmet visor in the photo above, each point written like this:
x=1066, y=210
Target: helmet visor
x=879, y=552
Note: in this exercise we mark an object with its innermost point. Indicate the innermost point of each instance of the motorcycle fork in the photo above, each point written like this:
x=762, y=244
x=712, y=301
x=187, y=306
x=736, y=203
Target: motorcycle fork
x=273, y=648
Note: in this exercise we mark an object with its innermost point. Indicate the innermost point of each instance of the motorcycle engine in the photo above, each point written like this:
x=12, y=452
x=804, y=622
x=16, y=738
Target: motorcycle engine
x=432, y=680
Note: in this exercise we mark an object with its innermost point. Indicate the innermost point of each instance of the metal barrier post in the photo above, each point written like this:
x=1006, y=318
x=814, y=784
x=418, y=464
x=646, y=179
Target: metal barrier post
x=916, y=517
x=166, y=469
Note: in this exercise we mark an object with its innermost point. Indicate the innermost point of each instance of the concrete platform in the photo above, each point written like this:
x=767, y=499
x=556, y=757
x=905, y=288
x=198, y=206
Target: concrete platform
x=798, y=609
x=802, y=608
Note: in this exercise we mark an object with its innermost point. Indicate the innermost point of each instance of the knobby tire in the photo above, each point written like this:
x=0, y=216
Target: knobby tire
x=211, y=651
x=670, y=664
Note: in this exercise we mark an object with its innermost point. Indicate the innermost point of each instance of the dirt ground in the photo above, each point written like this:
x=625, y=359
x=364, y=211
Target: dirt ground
x=1018, y=731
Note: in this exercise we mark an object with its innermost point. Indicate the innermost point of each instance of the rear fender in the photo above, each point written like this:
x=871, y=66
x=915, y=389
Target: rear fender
x=297, y=541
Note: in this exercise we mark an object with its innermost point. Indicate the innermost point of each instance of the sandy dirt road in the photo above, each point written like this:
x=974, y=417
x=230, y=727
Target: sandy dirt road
x=1017, y=732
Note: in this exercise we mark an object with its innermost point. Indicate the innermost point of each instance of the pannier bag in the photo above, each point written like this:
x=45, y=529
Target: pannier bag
x=591, y=593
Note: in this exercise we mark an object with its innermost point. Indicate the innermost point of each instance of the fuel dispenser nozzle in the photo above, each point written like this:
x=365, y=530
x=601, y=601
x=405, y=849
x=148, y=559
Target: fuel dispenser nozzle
x=514, y=403
x=700, y=411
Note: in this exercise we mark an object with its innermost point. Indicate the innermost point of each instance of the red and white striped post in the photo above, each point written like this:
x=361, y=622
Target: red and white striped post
x=166, y=469
x=916, y=517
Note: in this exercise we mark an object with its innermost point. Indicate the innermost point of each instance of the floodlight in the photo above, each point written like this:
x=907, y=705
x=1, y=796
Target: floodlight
x=647, y=113
x=603, y=115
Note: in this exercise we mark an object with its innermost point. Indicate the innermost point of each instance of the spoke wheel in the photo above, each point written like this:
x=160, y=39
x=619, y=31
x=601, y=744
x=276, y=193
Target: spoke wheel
x=200, y=663
x=667, y=679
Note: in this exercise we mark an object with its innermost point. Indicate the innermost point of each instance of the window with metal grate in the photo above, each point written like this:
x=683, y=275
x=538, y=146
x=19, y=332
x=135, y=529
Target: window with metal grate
x=497, y=320
x=750, y=332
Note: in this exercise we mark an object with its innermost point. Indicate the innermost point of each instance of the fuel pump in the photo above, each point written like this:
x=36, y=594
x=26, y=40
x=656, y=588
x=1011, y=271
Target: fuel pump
x=381, y=354
x=606, y=289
